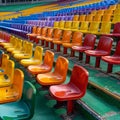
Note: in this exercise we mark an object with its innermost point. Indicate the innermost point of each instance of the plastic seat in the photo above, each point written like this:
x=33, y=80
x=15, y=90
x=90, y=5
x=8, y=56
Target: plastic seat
x=43, y=34
x=75, y=25
x=68, y=25
x=65, y=39
x=72, y=90
x=89, y=17
x=76, y=40
x=97, y=17
x=35, y=60
x=116, y=18
x=114, y=59
x=26, y=54
x=82, y=18
x=76, y=18
x=45, y=67
x=23, y=109
x=84, y=26
x=56, y=24
x=61, y=24
x=6, y=79
x=58, y=76
x=88, y=44
x=103, y=49
x=106, y=18
x=14, y=92
x=56, y=36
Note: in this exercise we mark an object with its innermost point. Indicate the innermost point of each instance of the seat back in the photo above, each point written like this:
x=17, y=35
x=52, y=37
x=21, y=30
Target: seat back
x=82, y=18
x=117, y=52
x=75, y=25
x=94, y=26
x=89, y=40
x=18, y=81
x=105, y=27
x=68, y=24
x=66, y=36
x=106, y=18
x=57, y=34
x=29, y=49
x=100, y=12
x=34, y=29
x=38, y=31
x=116, y=18
x=89, y=17
x=77, y=37
x=5, y=59
x=28, y=96
x=84, y=25
x=56, y=24
x=97, y=17
x=76, y=18
x=61, y=24
x=61, y=67
x=48, y=58
x=105, y=44
x=10, y=70
x=116, y=28
x=44, y=31
x=108, y=12
x=24, y=46
x=79, y=78
x=50, y=32
x=38, y=53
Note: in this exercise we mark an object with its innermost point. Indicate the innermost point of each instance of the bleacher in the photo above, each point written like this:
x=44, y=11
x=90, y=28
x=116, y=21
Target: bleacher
x=61, y=59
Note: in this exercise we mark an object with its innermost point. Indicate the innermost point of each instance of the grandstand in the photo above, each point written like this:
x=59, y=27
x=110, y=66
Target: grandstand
x=60, y=59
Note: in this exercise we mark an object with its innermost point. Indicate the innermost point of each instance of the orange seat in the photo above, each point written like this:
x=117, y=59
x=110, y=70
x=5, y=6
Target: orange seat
x=13, y=92
x=42, y=36
x=45, y=67
x=76, y=41
x=56, y=36
x=74, y=90
x=103, y=49
x=88, y=44
x=58, y=76
x=65, y=39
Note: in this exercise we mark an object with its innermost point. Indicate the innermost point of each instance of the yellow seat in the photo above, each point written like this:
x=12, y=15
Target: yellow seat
x=76, y=18
x=37, y=59
x=100, y=12
x=58, y=76
x=108, y=12
x=106, y=18
x=89, y=17
x=84, y=26
x=7, y=78
x=82, y=18
x=26, y=54
x=3, y=67
x=98, y=17
x=13, y=92
x=116, y=18
x=68, y=25
x=61, y=24
x=56, y=24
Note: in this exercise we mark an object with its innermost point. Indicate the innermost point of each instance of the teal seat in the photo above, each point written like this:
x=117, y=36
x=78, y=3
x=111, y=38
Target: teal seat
x=23, y=109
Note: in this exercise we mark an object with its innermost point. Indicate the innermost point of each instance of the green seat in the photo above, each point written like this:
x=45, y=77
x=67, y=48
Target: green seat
x=23, y=109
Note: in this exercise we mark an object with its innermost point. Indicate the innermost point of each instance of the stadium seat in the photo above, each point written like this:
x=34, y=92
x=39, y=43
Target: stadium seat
x=23, y=109
x=103, y=48
x=26, y=54
x=88, y=44
x=76, y=41
x=58, y=76
x=56, y=36
x=56, y=24
x=68, y=25
x=114, y=59
x=45, y=67
x=13, y=92
x=84, y=26
x=82, y=18
x=65, y=39
x=6, y=79
x=72, y=90
x=35, y=60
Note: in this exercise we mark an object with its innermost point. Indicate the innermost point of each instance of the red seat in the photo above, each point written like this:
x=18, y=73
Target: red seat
x=73, y=90
x=103, y=49
x=88, y=44
x=114, y=59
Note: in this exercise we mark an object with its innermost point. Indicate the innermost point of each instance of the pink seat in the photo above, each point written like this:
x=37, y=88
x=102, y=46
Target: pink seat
x=74, y=90
x=103, y=49
x=114, y=59
x=88, y=44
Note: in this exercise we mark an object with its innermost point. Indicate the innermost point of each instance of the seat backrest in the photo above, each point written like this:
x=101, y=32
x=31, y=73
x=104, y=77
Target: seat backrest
x=56, y=24
x=10, y=70
x=89, y=40
x=84, y=25
x=49, y=58
x=38, y=32
x=105, y=27
x=34, y=29
x=94, y=26
x=50, y=32
x=24, y=46
x=116, y=28
x=97, y=17
x=89, y=17
x=108, y=12
x=79, y=78
x=106, y=18
x=116, y=18
x=82, y=18
x=76, y=18
x=38, y=53
x=100, y=12
x=57, y=34
x=44, y=31
x=61, y=67
x=18, y=81
x=5, y=59
x=61, y=24
x=66, y=36
x=29, y=49
x=75, y=25
x=28, y=96
x=68, y=24
x=77, y=37
x=117, y=51
x=105, y=44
